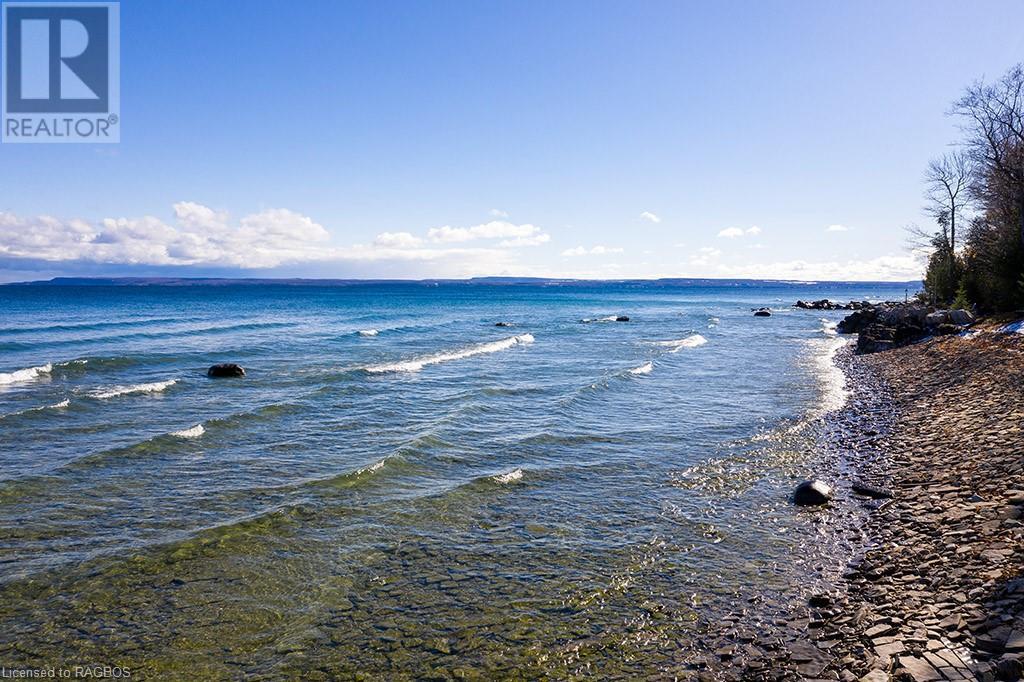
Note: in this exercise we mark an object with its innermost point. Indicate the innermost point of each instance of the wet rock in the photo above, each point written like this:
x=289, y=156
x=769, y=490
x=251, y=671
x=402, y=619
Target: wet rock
x=502, y=324
x=869, y=490
x=856, y=321
x=812, y=492
x=819, y=601
x=227, y=369
x=762, y=312
x=622, y=318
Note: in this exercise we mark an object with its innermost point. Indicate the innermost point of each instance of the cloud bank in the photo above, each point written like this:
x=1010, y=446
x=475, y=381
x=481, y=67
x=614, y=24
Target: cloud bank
x=271, y=238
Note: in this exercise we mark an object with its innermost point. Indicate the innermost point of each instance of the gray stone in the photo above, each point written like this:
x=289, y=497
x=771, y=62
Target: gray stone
x=812, y=492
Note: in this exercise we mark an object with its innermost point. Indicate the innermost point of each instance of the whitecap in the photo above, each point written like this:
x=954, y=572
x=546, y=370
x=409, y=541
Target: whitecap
x=373, y=467
x=369, y=332
x=193, y=432
x=676, y=345
x=417, y=364
x=508, y=477
x=27, y=374
x=115, y=391
x=828, y=328
x=643, y=369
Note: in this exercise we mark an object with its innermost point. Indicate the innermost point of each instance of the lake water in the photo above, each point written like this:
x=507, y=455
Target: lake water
x=399, y=487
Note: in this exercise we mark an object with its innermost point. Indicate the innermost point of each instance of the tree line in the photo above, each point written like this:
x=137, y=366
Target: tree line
x=975, y=195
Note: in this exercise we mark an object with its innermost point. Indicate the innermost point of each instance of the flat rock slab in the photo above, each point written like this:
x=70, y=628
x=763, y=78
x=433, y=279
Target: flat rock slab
x=920, y=670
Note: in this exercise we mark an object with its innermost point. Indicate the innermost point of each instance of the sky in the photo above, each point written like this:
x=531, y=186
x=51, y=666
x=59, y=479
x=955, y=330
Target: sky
x=587, y=139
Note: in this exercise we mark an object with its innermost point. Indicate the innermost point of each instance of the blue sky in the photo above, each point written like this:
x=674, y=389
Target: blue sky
x=576, y=139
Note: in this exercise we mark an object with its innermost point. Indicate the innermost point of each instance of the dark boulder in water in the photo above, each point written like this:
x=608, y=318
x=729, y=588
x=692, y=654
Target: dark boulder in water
x=812, y=492
x=227, y=369
x=502, y=324
x=622, y=318
x=762, y=312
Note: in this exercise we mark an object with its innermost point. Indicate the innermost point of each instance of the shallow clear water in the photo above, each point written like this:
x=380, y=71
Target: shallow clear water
x=442, y=497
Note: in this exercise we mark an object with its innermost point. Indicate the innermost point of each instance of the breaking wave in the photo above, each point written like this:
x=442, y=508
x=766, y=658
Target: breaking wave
x=27, y=374
x=369, y=332
x=193, y=432
x=508, y=477
x=115, y=391
x=643, y=369
x=416, y=364
x=676, y=345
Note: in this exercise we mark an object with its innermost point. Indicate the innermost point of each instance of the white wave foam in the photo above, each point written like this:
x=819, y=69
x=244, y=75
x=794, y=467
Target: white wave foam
x=193, y=432
x=609, y=318
x=417, y=364
x=369, y=332
x=27, y=374
x=643, y=369
x=115, y=391
x=56, y=406
x=508, y=477
x=828, y=327
x=677, y=345
x=373, y=467
x=832, y=379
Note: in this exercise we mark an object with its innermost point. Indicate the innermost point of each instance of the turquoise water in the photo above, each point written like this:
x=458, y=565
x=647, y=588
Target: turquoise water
x=398, y=487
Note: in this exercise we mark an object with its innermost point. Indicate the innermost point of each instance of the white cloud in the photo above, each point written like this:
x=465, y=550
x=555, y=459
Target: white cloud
x=535, y=240
x=496, y=229
x=647, y=215
x=498, y=213
x=894, y=268
x=837, y=228
x=397, y=240
x=598, y=250
x=735, y=232
x=705, y=255
x=260, y=240
x=201, y=236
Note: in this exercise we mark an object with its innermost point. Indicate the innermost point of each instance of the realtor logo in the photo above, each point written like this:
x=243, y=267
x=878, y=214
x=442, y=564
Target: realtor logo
x=61, y=72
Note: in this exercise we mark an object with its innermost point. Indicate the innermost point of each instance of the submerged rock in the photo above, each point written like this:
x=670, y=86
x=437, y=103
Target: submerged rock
x=762, y=312
x=502, y=324
x=227, y=369
x=812, y=492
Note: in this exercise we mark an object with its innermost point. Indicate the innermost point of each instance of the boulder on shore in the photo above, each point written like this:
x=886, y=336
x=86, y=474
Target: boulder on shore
x=891, y=325
x=812, y=492
x=226, y=369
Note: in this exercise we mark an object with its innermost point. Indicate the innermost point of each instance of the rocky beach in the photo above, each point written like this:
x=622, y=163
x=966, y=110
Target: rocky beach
x=930, y=457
